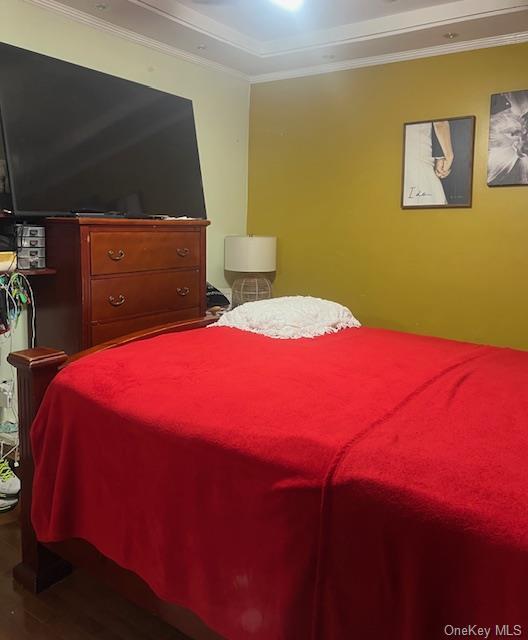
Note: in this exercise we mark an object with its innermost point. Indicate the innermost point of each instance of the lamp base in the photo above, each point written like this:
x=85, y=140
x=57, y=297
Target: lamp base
x=249, y=289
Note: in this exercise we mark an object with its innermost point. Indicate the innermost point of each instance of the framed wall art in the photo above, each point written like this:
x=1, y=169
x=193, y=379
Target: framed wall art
x=438, y=163
x=508, y=139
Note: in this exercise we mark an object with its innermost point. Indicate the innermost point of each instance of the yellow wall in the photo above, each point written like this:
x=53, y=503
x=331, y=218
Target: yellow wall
x=325, y=172
x=221, y=103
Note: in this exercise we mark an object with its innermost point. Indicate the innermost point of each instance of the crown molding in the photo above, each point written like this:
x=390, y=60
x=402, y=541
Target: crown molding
x=385, y=26
x=121, y=32
x=185, y=16
x=392, y=25
x=133, y=36
x=389, y=58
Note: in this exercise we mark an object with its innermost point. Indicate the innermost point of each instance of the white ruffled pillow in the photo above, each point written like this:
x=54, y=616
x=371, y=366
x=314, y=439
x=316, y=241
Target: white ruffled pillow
x=289, y=317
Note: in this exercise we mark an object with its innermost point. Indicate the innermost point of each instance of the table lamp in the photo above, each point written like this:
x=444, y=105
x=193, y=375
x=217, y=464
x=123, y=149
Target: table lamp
x=253, y=256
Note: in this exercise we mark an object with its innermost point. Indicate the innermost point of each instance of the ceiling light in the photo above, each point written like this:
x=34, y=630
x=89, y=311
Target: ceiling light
x=290, y=5
x=450, y=35
x=201, y=47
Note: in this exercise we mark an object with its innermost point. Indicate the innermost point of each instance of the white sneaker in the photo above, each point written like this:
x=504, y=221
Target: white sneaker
x=9, y=483
x=7, y=505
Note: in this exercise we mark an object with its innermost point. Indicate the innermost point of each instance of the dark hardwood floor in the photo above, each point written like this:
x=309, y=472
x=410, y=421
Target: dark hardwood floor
x=78, y=608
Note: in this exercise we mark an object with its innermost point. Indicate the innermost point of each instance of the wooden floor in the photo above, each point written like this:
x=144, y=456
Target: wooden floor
x=76, y=609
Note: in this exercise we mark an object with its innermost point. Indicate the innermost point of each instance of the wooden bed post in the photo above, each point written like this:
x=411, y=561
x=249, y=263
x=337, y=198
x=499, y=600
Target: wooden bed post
x=36, y=368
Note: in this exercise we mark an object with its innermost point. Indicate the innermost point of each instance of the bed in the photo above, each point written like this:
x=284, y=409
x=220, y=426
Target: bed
x=366, y=484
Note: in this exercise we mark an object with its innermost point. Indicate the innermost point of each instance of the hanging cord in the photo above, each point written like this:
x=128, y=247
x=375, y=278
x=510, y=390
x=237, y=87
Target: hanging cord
x=13, y=312
x=18, y=294
x=21, y=295
x=30, y=302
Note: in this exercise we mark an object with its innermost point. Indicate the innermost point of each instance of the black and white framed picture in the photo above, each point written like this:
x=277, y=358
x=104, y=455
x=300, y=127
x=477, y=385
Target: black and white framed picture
x=508, y=139
x=438, y=163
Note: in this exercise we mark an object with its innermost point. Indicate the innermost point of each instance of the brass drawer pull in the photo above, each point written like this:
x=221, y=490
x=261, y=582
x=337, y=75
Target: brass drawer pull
x=116, y=256
x=183, y=252
x=183, y=291
x=116, y=302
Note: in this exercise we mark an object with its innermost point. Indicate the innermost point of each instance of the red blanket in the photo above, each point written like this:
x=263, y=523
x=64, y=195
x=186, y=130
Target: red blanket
x=365, y=485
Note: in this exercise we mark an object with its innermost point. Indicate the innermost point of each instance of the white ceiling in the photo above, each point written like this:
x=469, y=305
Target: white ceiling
x=259, y=40
x=263, y=20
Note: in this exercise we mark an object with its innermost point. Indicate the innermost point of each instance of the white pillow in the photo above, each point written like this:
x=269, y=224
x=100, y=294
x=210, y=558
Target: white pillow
x=289, y=317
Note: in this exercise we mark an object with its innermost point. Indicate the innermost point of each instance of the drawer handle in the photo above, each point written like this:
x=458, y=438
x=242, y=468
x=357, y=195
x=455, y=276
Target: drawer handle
x=183, y=291
x=183, y=252
x=116, y=256
x=116, y=302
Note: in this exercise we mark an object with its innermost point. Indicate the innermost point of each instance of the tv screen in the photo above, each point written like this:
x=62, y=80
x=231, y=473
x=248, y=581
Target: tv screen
x=80, y=140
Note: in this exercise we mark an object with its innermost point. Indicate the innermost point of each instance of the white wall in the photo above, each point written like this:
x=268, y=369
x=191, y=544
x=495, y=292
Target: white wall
x=13, y=341
x=221, y=103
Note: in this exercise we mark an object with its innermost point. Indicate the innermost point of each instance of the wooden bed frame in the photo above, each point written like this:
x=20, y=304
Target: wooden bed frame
x=44, y=564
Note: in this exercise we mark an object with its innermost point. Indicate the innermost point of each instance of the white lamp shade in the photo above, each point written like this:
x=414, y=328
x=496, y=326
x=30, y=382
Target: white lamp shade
x=250, y=254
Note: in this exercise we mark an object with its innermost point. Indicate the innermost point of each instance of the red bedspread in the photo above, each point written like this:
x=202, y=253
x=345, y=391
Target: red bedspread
x=365, y=485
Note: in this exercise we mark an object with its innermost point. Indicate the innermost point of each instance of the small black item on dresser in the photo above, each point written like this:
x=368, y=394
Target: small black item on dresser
x=215, y=298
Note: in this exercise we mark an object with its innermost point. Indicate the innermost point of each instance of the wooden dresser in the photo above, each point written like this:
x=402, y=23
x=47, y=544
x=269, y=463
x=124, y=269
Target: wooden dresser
x=118, y=276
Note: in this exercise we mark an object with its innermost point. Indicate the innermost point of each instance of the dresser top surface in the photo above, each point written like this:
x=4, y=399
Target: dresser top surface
x=127, y=222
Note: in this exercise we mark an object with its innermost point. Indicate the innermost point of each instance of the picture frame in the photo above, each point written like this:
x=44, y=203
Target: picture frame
x=438, y=159
x=508, y=140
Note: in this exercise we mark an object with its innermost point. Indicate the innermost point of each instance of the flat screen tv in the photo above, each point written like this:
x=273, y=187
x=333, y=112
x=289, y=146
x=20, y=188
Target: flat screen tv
x=77, y=140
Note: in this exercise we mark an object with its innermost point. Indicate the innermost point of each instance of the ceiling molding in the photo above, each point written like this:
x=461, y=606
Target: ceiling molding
x=392, y=25
x=180, y=14
x=133, y=36
x=443, y=49
x=395, y=24
x=389, y=58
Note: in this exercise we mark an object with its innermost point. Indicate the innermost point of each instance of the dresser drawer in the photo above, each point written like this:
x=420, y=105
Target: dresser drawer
x=144, y=293
x=103, y=331
x=129, y=251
